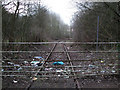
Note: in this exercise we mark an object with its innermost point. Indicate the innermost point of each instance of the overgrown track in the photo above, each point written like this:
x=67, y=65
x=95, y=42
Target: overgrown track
x=73, y=68
x=47, y=59
x=71, y=64
x=43, y=65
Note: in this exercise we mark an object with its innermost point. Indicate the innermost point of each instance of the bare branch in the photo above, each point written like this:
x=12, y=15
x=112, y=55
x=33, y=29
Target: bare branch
x=112, y=9
x=6, y=4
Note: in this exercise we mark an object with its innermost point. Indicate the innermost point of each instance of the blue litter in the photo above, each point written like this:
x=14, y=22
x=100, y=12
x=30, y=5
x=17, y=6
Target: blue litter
x=37, y=57
x=58, y=63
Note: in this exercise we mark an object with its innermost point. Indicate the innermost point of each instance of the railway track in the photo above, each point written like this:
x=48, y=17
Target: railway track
x=69, y=70
x=43, y=65
x=47, y=59
x=71, y=64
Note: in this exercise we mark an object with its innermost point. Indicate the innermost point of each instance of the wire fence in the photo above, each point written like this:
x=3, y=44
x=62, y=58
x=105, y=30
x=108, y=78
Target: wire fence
x=86, y=43
x=60, y=42
x=100, y=68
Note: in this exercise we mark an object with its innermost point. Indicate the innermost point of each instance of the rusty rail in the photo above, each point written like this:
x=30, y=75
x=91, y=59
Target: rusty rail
x=69, y=59
x=31, y=82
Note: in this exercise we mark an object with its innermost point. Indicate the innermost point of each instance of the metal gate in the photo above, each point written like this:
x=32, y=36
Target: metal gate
x=104, y=61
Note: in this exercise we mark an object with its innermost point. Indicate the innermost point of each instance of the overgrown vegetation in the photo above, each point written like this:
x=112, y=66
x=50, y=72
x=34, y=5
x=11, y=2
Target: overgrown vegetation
x=85, y=21
x=30, y=22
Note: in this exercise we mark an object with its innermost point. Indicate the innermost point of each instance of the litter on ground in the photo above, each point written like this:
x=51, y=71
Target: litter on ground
x=37, y=61
x=16, y=65
x=102, y=61
x=34, y=78
x=113, y=71
x=15, y=81
x=59, y=70
x=34, y=62
x=47, y=69
x=58, y=63
x=10, y=63
x=19, y=69
x=38, y=58
x=2, y=69
x=26, y=62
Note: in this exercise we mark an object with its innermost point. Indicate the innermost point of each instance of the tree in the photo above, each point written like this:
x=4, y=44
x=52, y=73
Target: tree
x=85, y=22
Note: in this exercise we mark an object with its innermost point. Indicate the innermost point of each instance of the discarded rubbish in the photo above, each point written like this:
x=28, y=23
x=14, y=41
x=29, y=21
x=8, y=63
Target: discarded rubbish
x=16, y=65
x=89, y=71
x=30, y=77
x=34, y=78
x=59, y=70
x=38, y=58
x=10, y=63
x=19, y=69
x=68, y=47
x=66, y=76
x=113, y=71
x=78, y=70
x=50, y=68
x=37, y=61
x=102, y=61
x=88, y=56
x=2, y=69
x=15, y=81
x=47, y=63
x=58, y=63
x=110, y=64
x=3, y=61
x=83, y=72
x=26, y=62
x=58, y=75
x=91, y=65
x=47, y=69
x=102, y=71
x=99, y=81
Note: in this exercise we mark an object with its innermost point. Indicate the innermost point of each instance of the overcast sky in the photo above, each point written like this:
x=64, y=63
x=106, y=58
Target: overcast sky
x=65, y=8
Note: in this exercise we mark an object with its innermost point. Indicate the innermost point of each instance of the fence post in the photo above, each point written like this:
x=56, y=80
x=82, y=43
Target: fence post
x=118, y=46
x=0, y=43
x=97, y=33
